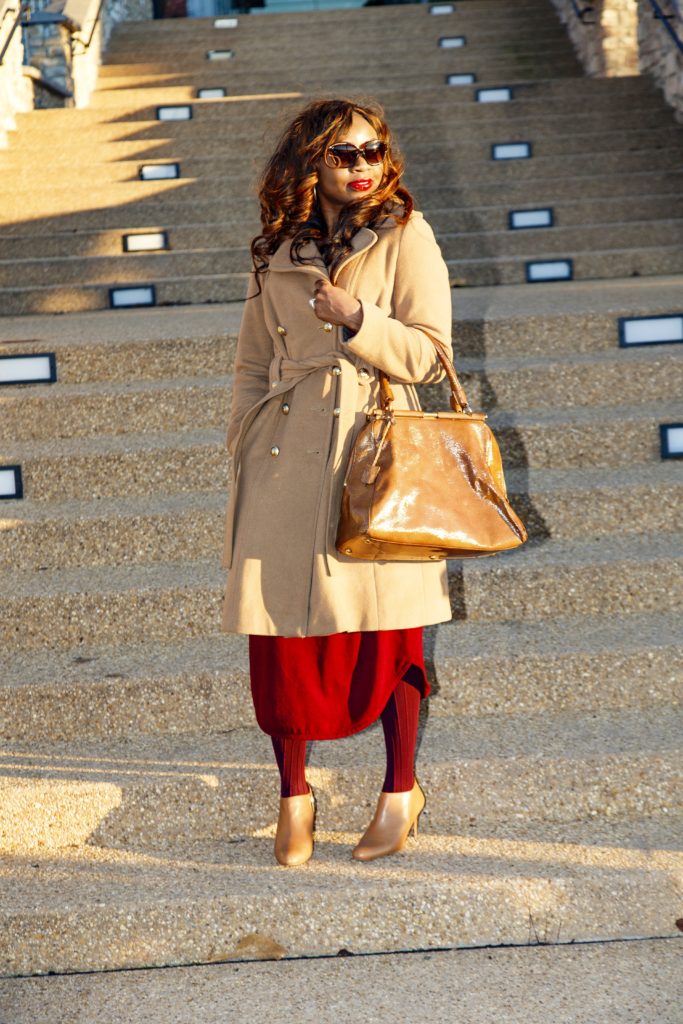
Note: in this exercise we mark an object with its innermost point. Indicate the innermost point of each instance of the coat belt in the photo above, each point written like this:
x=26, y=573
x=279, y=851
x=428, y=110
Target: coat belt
x=283, y=375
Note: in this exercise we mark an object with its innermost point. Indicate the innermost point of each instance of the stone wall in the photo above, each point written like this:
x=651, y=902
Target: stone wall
x=659, y=55
x=16, y=91
x=76, y=71
x=623, y=37
x=606, y=40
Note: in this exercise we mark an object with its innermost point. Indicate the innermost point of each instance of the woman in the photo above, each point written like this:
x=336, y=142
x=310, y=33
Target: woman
x=348, y=279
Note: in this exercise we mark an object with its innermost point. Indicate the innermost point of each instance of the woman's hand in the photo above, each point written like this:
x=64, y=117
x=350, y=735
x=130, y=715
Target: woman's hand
x=336, y=306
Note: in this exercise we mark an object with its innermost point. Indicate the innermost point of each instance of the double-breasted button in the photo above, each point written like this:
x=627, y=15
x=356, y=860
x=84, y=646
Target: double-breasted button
x=281, y=329
x=336, y=411
x=275, y=451
x=285, y=408
x=336, y=370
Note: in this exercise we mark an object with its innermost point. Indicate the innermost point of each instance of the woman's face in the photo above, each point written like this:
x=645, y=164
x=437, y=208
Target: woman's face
x=338, y=186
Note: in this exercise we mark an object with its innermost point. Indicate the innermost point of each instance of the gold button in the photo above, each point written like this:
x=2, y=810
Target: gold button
x=336, y=412
x=274, y=384
x=336, y=370
x=327, y=327
x=347, y=551
x=363, y=374
x=274, y=451
x=281, y=329
x=285, y=408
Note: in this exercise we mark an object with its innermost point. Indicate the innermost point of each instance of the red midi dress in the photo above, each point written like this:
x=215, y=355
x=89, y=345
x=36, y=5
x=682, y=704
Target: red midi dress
x=326, y=687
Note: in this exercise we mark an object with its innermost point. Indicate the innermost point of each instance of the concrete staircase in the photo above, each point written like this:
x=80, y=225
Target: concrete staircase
x=139, y=798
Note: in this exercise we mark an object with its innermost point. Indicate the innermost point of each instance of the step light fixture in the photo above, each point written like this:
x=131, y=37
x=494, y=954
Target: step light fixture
x=501, y=94
x=213, y=93
x=176, y=112
x=132, y=295
x=36, y=368
x=158, y=172
x=540, y=218
x=465, y=78
x=452, y=42
x=665, y=329
x=145, y=241
x=442, y=9
x=671, y=440
x=11, y=485
x=219, y=54
x=511, y=151
x=549, y=270
x=225, y=23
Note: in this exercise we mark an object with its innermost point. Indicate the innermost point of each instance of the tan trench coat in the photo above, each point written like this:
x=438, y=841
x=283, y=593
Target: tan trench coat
x=300, y=395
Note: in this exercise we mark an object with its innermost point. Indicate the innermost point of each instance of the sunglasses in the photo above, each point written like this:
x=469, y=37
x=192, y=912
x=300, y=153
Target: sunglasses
x=344, y=154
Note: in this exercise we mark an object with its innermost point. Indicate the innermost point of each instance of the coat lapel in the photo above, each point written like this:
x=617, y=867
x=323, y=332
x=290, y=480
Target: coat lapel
x=281, y=261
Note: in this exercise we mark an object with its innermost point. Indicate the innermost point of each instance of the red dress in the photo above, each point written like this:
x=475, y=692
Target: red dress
x=326, y=687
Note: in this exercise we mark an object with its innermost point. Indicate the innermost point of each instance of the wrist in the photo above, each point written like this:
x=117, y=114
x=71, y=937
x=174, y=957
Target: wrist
x=354, y=320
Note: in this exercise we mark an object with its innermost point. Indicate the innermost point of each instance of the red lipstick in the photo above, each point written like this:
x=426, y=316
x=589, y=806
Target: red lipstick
x=361, y=185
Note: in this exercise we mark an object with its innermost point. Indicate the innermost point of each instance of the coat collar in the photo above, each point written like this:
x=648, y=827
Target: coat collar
x=363, y=239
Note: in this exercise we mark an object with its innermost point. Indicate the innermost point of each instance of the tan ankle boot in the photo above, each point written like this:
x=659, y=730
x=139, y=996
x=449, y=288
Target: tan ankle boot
x=295, y=826
x=395, y=816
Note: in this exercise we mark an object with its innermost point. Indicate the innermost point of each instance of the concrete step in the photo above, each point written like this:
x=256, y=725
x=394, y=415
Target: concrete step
x=400, y=107
x=142, y=198
x=610, y=978
x=474, y=164
x=197, y=902
x=237, y=74
x=42, y=412
x=104, y=605
x=213, y=285
x=566, y=319
x=133, y=464
x=39, y=535
x=209, y=252
x=120, y=160
x=99, y=232
x=427, y=87
x=45, y=135
x=535, y=41
x=141, y=794
x=584, y=664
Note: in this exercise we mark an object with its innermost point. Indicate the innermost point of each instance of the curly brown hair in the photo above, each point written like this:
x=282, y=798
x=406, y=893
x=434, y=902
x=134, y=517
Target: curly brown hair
x=289, y=206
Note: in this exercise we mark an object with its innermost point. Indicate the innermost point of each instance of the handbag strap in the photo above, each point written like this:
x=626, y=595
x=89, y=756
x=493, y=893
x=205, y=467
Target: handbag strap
x=458, y=399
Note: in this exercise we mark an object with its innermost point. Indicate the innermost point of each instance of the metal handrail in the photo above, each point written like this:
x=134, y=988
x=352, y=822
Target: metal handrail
x=664, y=18
x=580, y=12
x=17, y=10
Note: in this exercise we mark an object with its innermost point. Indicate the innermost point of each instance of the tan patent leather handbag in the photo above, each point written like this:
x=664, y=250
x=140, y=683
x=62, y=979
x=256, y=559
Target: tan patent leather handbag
x=426, y=485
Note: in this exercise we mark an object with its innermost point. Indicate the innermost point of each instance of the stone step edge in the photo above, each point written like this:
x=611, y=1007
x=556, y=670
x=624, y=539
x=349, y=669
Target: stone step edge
x=519, y=481
x=466, y=365
x=129, y=443
x=208, y=574
x=557, y=232
x=200, y=922
x=226, y=654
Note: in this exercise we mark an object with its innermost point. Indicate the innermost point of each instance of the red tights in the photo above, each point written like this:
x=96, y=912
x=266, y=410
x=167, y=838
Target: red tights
x=399, y=722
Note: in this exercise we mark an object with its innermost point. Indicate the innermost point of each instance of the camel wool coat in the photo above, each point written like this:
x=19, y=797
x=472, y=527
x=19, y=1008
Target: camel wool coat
x=300, y=396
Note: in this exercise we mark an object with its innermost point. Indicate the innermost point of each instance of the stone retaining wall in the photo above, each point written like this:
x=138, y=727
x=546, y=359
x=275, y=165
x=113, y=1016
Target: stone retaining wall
x=659, y=55
x=623, y=37
x=16, y=91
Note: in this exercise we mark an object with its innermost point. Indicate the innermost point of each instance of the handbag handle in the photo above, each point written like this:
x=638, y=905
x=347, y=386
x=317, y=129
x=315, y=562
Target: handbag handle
x=458, y=399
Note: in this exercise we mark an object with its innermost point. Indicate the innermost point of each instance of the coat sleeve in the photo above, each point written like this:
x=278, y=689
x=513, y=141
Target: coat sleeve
x=252, y=361
x=403, y=344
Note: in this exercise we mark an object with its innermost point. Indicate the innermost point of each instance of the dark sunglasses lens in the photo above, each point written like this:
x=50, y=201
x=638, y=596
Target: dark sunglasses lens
x=343, y=154
x=374, y=152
